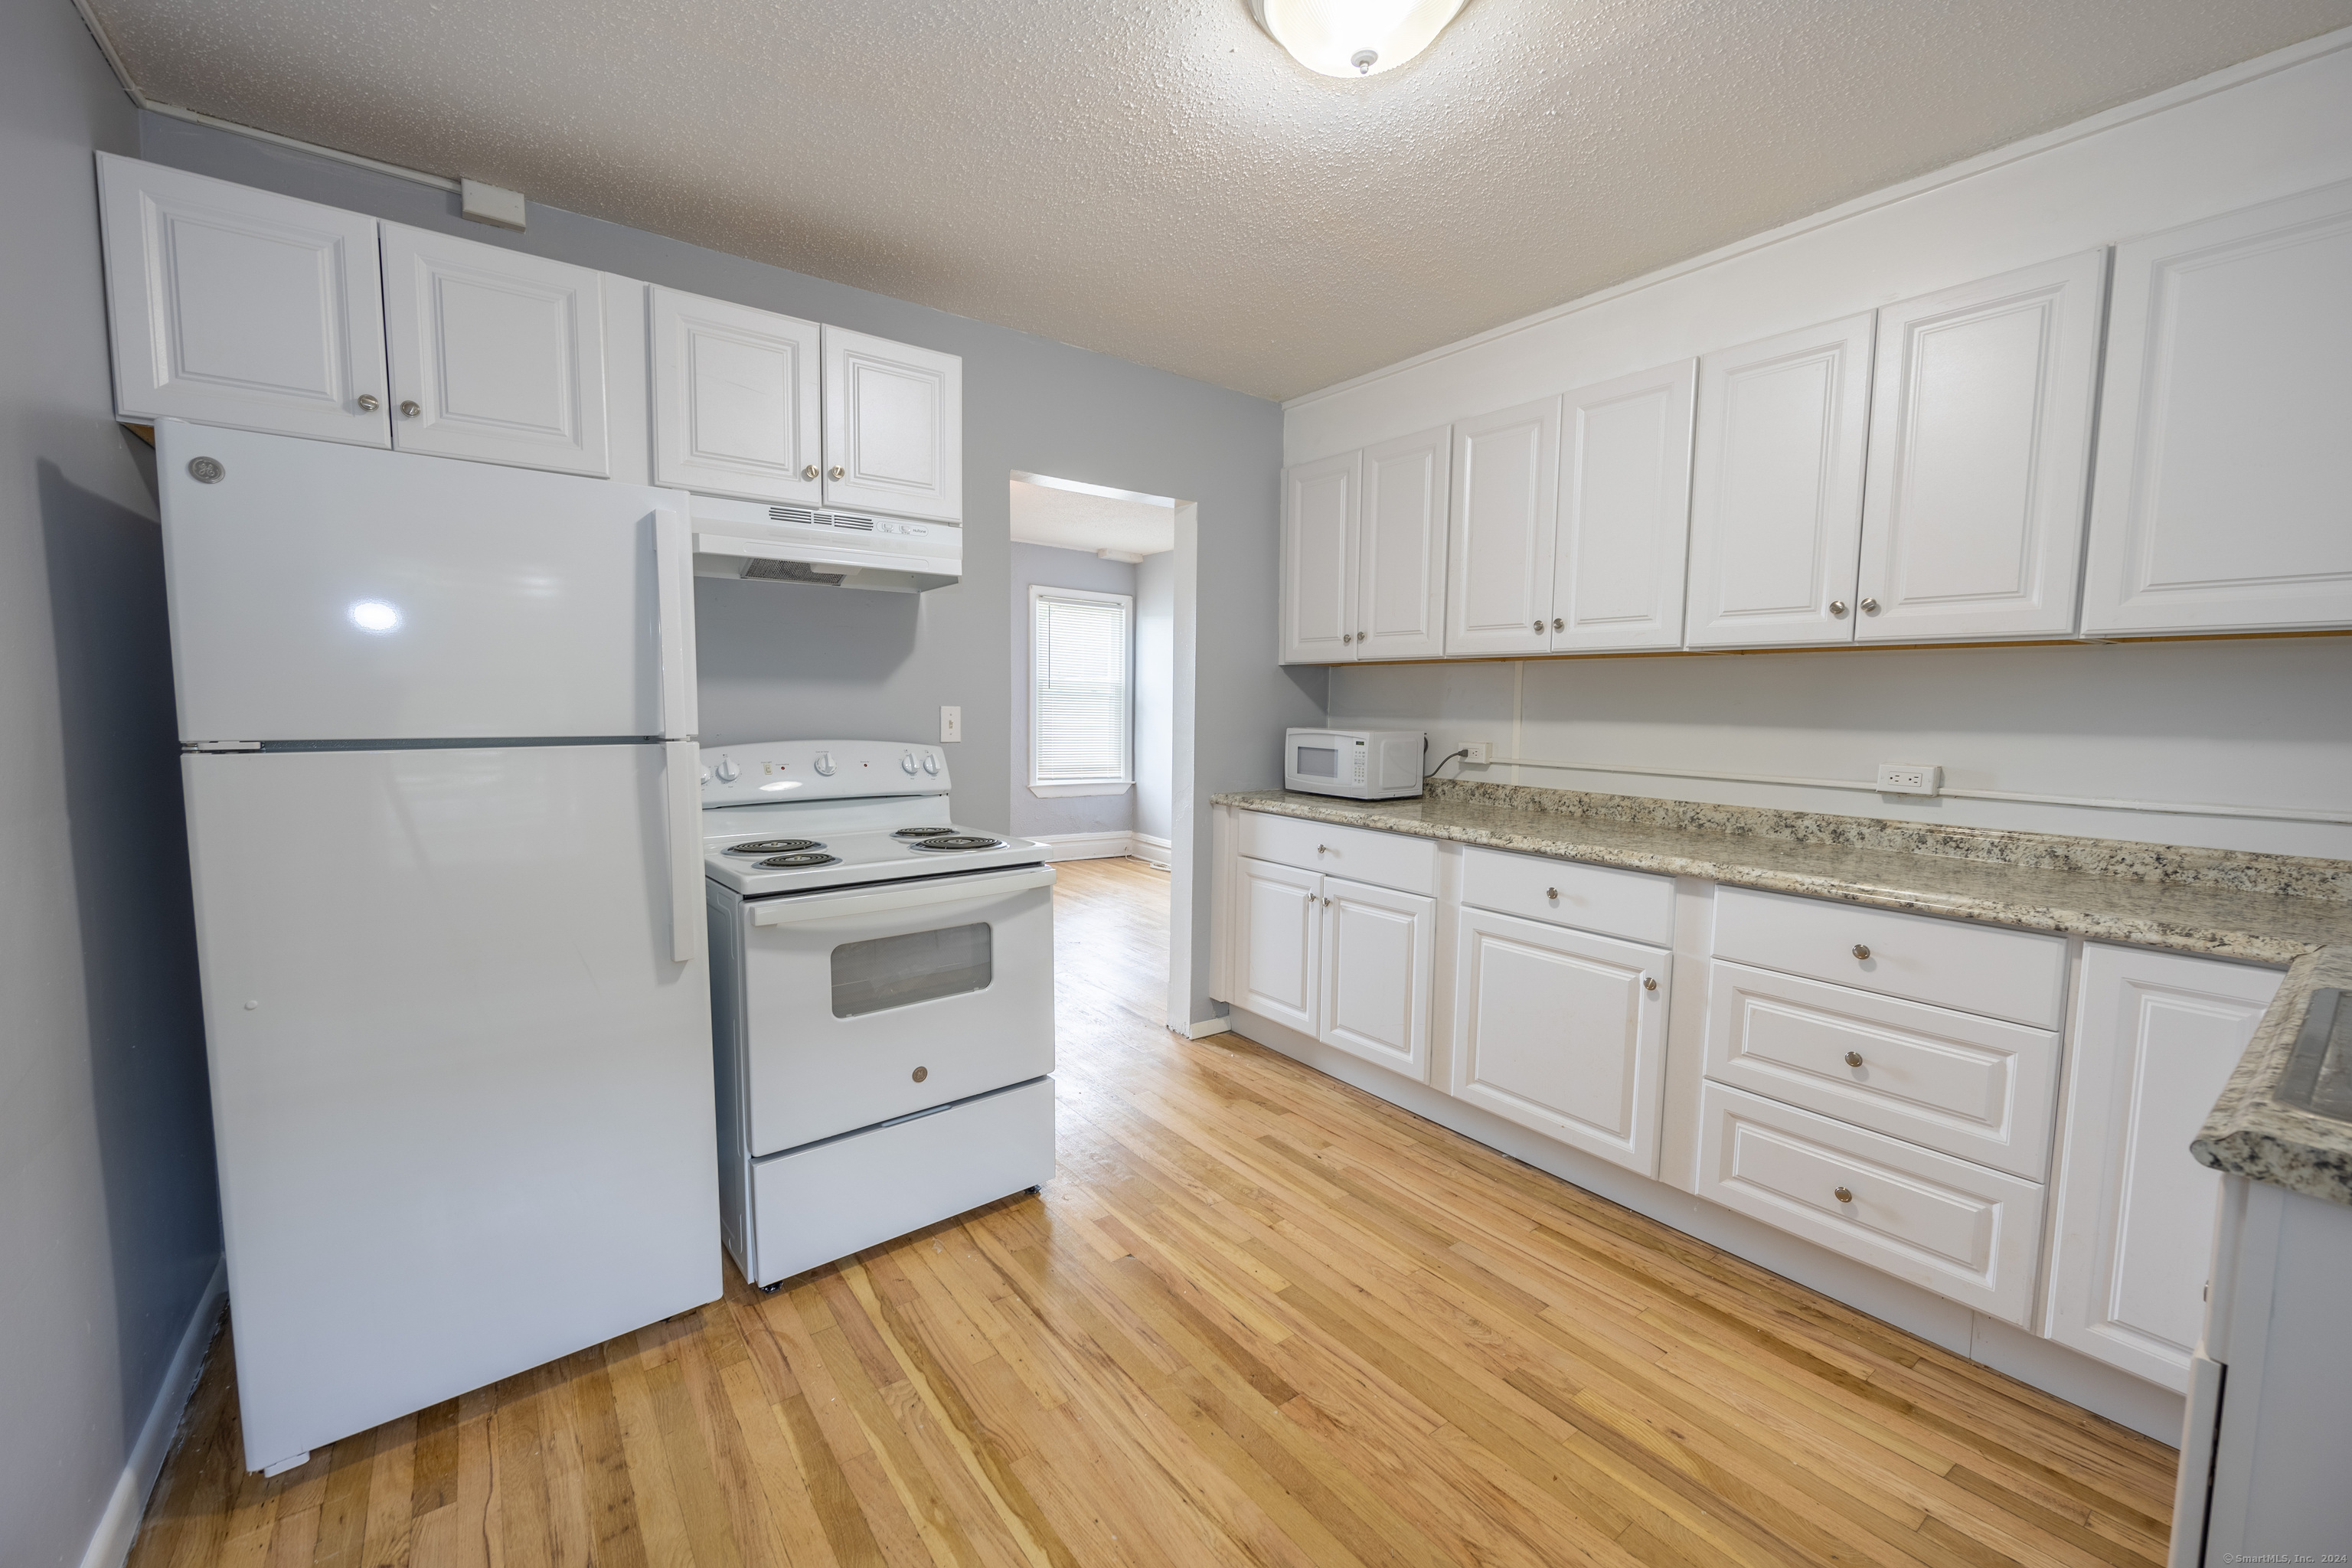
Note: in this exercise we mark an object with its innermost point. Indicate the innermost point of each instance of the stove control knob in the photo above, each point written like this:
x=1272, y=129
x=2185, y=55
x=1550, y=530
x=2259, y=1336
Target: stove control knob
x=728, y=772
x=907, y=765
x=825, y=764
x=931, y=762
x=705, y=775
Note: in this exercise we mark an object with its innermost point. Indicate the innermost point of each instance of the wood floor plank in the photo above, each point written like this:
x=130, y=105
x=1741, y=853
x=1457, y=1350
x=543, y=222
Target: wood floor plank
x=1258, y=1318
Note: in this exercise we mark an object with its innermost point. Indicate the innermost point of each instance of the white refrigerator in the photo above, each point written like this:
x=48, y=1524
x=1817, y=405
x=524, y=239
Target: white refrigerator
x=436, y=723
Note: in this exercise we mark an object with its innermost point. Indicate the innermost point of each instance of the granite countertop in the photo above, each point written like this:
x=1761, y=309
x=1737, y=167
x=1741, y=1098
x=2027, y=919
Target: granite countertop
x=2268, y=909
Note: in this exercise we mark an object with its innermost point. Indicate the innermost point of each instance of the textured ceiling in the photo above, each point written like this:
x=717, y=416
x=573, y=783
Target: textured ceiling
x=1155, y=178
x=1074, y=521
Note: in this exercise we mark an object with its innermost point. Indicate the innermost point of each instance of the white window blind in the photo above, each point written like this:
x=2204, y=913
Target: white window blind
x=1078, y=715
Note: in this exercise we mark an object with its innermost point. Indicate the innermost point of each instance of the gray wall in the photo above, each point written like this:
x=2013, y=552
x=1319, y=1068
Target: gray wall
x=784, y=660
x=1043, y=565
x=108, y=1221
x=1155, y=693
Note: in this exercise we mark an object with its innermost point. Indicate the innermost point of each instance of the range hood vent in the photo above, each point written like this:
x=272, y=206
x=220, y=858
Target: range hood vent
x=762, y=543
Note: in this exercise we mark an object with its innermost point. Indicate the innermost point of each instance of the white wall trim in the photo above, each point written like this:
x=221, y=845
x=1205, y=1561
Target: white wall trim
x=118, y=1527
x=2082, y=129
x=1112, y=844
x=1062, y=791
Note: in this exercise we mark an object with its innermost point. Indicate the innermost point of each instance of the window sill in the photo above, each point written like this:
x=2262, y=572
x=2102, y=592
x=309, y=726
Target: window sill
x=1096, y=786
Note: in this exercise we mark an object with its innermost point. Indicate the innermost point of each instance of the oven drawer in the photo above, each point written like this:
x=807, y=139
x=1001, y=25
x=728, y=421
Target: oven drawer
x=1944, y=1225
x=1637, y=905
x=1394, y=860
x=813, y=1206
x=2005, y=974
x=863, y=1004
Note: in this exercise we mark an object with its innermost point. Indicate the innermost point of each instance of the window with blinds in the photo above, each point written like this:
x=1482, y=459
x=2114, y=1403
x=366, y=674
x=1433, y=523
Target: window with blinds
x=1080, y=697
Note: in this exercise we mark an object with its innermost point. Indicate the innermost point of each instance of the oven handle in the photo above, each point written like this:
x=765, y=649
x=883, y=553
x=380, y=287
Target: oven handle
x=905, y=896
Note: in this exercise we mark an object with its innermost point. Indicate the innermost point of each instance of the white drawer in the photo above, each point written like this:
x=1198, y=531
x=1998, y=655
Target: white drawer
x=1384, y=860
x=1944, y=1225
x=1632, y=904
x=1976, y=1087
x=1984, y=969
x=831, y=1199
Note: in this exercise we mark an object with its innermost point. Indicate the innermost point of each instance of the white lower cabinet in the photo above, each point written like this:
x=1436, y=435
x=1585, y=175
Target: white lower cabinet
x=1274, y=941
x=1948, y=1225
x=1562, y=1031
x=1377, y=960
x=2157, y=1037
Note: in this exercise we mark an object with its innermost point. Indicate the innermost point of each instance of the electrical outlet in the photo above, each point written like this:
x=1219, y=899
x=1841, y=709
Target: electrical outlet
x=1481, y=753
x=1909, y=778
x=950, y=723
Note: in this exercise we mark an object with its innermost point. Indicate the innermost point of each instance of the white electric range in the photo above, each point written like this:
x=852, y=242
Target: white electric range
x=882, y=1000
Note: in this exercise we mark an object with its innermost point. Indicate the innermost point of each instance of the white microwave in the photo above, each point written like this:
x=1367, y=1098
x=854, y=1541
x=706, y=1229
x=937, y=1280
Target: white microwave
x=1362, y=764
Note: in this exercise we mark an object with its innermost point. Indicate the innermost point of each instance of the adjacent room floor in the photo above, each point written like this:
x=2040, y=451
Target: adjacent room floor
x=1257, y=1318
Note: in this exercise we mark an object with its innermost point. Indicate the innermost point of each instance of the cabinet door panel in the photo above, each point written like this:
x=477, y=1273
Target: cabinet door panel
x=2223, y=490
x=894, y=427
x=1400, y=556
x=1776, y=489
x=1377, y=962
x=501, y=354
x=738, y=400
x=1625, y=511
x=1980, y=447
x=1504, y=506
x=2157, y=1035
x=1276, y=937
x=1319, y=559
x=233, y=306
x=1557, y=1030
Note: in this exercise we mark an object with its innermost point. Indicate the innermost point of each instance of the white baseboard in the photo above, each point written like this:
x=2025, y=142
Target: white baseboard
x=1113, y=845
x=1203, y=1028
x=118, y=1527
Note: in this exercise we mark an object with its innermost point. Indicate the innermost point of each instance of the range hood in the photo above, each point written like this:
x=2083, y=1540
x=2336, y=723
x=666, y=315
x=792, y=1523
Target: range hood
x=838, y=549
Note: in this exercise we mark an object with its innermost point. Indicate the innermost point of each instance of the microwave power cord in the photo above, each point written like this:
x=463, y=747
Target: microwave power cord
x=1442, y=761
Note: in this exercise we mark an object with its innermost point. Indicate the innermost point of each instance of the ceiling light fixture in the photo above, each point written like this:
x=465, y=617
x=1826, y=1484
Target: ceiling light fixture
x=1354, y=38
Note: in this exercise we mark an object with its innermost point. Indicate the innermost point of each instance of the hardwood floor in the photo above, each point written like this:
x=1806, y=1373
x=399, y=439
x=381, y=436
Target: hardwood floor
x=1258, y=1317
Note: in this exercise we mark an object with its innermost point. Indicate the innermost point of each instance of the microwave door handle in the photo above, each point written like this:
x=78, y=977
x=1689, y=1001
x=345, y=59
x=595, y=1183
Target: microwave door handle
x=905, y=896
x=674, y=591
x=682, y=823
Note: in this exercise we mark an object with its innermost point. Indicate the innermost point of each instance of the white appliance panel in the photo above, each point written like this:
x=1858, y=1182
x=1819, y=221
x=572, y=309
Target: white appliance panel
x=325, y=593
x=462, y=1086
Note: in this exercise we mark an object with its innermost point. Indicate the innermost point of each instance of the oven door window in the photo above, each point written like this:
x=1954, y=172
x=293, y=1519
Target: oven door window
x=1317, y=763
x=900, y=971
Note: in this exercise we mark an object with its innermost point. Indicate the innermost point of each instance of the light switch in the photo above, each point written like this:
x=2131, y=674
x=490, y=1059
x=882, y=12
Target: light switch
x=950, y=723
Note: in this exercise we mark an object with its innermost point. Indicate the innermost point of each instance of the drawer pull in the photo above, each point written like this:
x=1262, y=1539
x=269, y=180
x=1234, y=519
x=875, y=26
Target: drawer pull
x=1322, y=849
x=1649, y=983
x=1845, y=1195
x=1853, y=1058
x=1861, y=950
x=922, y=1073
x=1552, y=893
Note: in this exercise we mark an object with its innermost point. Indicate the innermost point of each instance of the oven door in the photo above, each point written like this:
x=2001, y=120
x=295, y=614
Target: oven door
x=864, y=1003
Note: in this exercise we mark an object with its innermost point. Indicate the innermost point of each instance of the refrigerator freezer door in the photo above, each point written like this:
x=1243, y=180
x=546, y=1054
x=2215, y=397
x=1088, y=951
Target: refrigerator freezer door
x=320, y=592
x=461, y=1086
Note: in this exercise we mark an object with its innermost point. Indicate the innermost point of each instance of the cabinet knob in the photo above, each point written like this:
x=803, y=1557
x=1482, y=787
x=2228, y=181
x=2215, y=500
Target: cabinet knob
x=1649, y=983
x=1870, y=606
x=1837, y=607
x=1346, y=636
x=1322, y=849
x=1551, y=892
x=836, y=471
x=1326, y=904
x=1537, y=627
x=1861, y=950
x=409, y=408
x=809, y=472
x=1559, y=624
x=1853, y=1058
x=1845, y=1195
x=369, y=402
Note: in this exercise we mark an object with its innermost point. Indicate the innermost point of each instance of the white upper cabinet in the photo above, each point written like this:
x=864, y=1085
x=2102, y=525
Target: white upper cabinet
x=893, y=427
x=495, y=355
x=2222, y=498
x=233, y=306
x=738, y=400
x=1776, y=491
x=1399, y=569
x=1624, y=513
x=2157, y=1037
x=1319, y=507
x=1980, y=447
x=1504, y=508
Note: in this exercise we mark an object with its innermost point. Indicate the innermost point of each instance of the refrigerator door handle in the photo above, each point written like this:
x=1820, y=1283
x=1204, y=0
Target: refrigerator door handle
x=674, y=584
x=682, y=803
